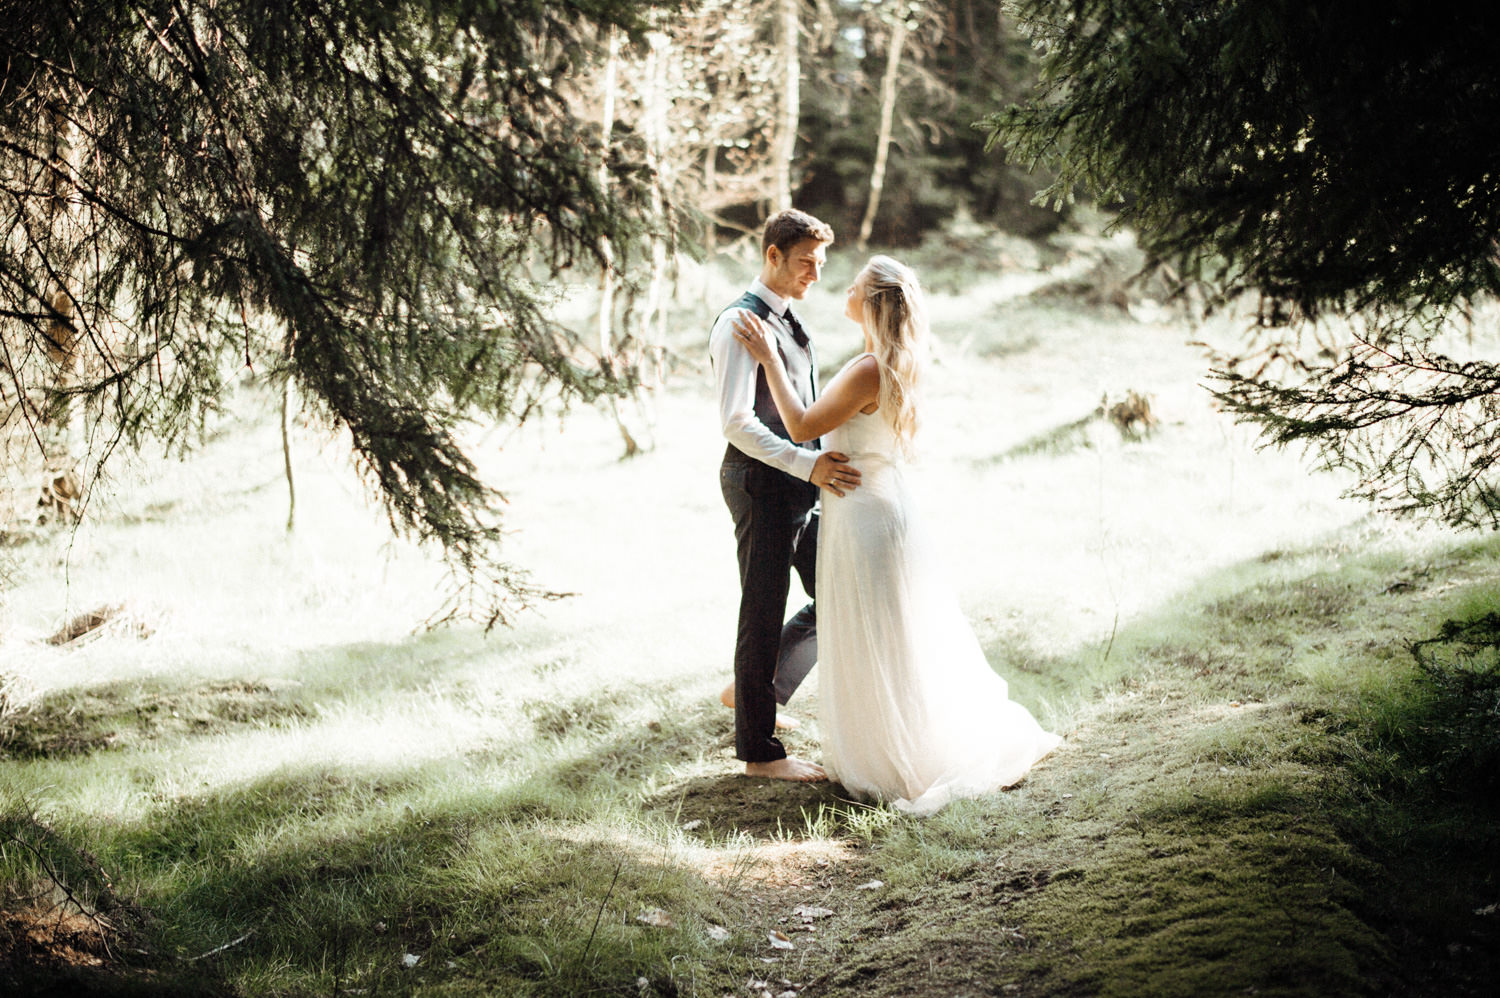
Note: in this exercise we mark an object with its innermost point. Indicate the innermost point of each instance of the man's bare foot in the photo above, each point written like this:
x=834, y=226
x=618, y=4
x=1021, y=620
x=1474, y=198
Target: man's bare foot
x=796, y=770
x=726, y=697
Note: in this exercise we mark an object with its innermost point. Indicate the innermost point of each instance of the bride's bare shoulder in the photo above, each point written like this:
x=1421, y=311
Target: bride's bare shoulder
x=863, y=374
x=863, y=369
x=862, y=362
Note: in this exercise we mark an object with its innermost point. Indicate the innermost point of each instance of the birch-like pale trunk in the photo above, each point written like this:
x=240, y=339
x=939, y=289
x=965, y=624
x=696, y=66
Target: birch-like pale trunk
x=710, y=179
x=607, y=277
x=606, y=127
x=791, y=102
x=654, y=126
x=883, y=140
x=62, y=485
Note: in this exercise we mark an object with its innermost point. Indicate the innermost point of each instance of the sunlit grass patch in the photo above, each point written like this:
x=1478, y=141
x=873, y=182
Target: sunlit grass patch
x=343, y=804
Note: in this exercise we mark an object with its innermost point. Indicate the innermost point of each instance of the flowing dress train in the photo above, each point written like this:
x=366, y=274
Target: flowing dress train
x=912, y=714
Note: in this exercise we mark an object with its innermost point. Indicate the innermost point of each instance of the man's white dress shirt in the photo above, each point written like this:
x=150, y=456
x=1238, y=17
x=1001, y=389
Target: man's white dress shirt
x=734, y=373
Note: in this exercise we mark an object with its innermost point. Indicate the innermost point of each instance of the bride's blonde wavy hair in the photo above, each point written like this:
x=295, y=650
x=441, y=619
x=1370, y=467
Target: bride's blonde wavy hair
x=895, y=313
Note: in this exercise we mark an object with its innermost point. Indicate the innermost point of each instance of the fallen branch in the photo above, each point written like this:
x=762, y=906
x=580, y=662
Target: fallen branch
x=84, y=623
x=219, y=949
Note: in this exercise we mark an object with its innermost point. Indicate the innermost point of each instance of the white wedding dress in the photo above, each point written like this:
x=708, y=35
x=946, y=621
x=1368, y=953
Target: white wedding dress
x=911, y=712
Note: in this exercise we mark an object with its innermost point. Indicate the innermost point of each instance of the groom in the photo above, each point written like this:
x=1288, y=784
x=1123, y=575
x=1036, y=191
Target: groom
x=771, y=487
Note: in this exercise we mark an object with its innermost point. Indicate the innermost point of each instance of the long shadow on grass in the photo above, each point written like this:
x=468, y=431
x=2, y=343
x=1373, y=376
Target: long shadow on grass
x=355, y=678
x=134, y=714
x=81, y=720
x=124, y=714
x=329, y=877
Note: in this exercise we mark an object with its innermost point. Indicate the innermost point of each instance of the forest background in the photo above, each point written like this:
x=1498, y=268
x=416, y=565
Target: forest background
x=236, y=758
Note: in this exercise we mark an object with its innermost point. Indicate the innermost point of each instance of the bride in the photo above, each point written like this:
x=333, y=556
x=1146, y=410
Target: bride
x=912, y=713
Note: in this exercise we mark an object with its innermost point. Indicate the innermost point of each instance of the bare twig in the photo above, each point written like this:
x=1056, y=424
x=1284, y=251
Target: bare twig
x=101, y=924
x=218, y=949
x=600, y=913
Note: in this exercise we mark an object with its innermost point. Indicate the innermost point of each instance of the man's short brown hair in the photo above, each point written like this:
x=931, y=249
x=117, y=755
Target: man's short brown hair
x=786, y=229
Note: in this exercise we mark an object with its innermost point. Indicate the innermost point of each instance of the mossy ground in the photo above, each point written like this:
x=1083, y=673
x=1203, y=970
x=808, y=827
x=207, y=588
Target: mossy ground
x=283, y=790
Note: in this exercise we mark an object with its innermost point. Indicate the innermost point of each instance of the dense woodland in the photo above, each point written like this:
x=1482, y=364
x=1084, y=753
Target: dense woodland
x=370, y=206
x=374, y=223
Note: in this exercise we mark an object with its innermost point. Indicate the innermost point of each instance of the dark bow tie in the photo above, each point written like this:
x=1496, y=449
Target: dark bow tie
x=798, y=333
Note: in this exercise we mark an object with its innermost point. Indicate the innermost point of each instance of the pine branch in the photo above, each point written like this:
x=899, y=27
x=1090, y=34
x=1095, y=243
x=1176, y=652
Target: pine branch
x=204, y=184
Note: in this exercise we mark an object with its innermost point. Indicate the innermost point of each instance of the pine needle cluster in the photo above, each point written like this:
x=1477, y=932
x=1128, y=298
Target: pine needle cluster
x=366, y=198
x=1336, y=159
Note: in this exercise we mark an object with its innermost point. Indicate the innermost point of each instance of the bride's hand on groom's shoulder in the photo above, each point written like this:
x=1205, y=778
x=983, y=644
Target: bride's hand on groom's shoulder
x=752, y=334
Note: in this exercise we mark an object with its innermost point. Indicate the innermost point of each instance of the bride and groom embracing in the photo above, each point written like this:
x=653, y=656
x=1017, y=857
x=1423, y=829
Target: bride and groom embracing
x=911, y=712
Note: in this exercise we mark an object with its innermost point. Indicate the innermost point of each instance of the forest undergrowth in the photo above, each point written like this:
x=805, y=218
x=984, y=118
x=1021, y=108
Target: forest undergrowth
x=1279, y=709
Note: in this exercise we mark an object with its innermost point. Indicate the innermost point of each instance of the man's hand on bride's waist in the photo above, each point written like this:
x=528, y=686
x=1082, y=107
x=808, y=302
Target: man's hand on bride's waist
x=831, y=472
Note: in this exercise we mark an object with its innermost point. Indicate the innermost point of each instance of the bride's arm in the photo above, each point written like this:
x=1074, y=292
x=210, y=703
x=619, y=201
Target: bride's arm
x=856, y=387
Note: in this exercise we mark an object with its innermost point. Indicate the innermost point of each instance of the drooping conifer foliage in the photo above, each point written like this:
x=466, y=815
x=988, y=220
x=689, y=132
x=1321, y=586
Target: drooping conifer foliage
x=1339, y=159
x=366, y=197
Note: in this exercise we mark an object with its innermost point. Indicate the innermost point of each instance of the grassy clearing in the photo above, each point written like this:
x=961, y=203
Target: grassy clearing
x=277, y=786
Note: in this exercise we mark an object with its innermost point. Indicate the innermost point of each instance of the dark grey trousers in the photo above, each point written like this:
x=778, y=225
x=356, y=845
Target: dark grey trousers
x=776, y=531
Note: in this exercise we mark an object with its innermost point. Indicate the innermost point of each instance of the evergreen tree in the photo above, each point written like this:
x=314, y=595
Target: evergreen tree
x=368, y=198
x=1337, y=158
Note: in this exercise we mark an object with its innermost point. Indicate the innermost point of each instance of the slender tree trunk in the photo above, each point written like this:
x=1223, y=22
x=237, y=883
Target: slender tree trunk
x=54, y=422
x=883, y=141
x=790, y=105
x=654, y=124
x=286, y=454
x=710, y=182
x=607, y=273
x=607, y=126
